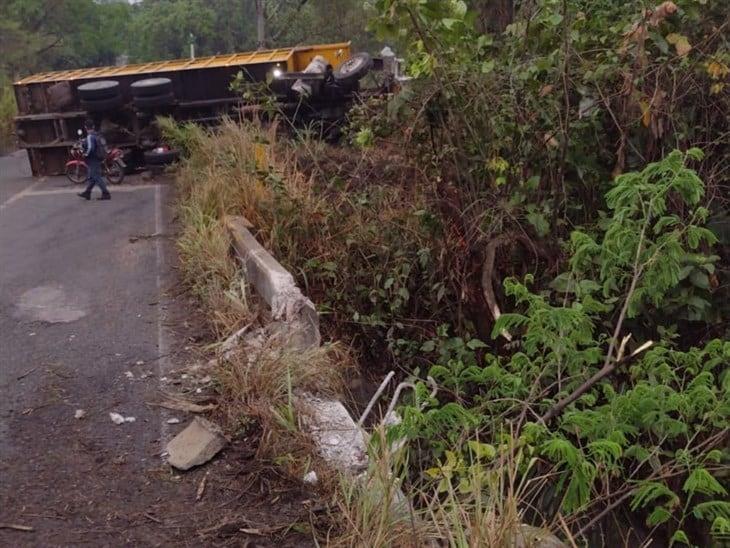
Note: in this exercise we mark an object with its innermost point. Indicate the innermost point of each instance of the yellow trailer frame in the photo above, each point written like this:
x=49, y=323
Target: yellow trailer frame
x=295, y=58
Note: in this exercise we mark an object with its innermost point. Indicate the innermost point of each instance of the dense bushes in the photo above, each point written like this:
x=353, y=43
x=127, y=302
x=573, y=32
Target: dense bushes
x=521, y=225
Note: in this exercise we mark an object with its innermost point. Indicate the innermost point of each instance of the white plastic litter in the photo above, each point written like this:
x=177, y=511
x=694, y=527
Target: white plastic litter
x=120, y=419
x=173, y=421
x=80, y=414
x=129, y=374
x=310, y=478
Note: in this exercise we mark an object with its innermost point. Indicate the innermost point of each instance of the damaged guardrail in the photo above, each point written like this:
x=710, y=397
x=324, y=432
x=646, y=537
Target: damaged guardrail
x=339, y=440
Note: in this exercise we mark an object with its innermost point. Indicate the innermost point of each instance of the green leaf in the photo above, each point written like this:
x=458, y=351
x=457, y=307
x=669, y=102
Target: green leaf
x=658, y=516
x=695, y=154
x=473, y=344
x=428, y=346
x=555, y=19
x=450, y=23
x=701, y=481
x=679, y=536
x=649, y=491
x=482, y=450
x=564, y=283
x=700, y=279
x=487, y=67
x=460, y=8
x=710, y=511
x=539, y=222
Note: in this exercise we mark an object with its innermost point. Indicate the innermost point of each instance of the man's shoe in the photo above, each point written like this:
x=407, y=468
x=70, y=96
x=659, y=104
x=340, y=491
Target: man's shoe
x=106, y=196
x=86, y=195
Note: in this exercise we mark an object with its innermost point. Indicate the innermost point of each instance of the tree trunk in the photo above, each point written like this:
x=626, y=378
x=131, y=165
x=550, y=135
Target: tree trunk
x=494, y=15
x=260, y=25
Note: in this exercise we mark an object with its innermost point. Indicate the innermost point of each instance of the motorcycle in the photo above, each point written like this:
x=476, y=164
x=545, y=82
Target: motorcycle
x=112, y=167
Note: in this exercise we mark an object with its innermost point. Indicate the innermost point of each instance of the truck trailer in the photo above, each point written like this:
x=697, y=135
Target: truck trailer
x=124, y=101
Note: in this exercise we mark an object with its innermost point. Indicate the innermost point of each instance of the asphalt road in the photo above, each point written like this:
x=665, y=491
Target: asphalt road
x=92, y=318
x=82, y=327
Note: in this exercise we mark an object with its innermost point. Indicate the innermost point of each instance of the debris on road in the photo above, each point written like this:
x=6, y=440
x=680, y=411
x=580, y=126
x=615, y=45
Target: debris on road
x=173, y=421
x=138, y=237
x=201, y=487
x=310, y=478
x=79, y=414
x=184, y=405
x=16, y=527
x=120, y=419
x=21, y=377
x=196, y=445
x=129, y=375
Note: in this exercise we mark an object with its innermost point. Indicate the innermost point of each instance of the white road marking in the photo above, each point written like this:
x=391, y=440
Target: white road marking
x=76, y=190
x=30, y=191
x=18, y=195
x=163, y=344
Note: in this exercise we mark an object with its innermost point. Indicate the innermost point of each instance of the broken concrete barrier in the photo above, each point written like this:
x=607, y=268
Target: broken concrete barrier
x=276, y=286
x=196, y=445
x=339, y=440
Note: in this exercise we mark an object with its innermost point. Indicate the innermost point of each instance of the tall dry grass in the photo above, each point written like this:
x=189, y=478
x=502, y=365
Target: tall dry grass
x=479, y=508
x=368, y=249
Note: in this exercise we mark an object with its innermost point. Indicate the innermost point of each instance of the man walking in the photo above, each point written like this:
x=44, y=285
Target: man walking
x=94, y=153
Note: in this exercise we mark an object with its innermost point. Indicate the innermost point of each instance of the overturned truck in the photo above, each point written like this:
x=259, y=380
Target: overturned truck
x=311, y=82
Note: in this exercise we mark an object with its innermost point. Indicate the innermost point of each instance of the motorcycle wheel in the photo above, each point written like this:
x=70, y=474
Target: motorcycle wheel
x=115, y=173
x=77, y=173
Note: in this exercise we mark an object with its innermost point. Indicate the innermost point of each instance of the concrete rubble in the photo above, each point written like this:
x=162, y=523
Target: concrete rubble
x=118, y=419
x=195, y=445
x=340, y=442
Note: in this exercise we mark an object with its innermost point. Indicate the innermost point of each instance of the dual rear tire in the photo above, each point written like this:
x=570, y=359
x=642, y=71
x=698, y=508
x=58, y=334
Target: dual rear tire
x=152, y=93
x=100, y=96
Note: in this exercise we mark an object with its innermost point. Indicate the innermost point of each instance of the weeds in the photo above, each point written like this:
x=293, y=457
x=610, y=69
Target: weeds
x=7, y=113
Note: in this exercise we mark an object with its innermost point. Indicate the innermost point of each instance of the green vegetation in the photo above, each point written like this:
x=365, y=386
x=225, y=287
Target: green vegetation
x=538, y=223
x=7, y=111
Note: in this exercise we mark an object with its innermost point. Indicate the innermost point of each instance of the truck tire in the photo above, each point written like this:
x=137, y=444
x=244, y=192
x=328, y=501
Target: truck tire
x=154, y=101
x=150, y=87
x=101, y=89
x=353, y=69
x=100, y=105
x=153, y=158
